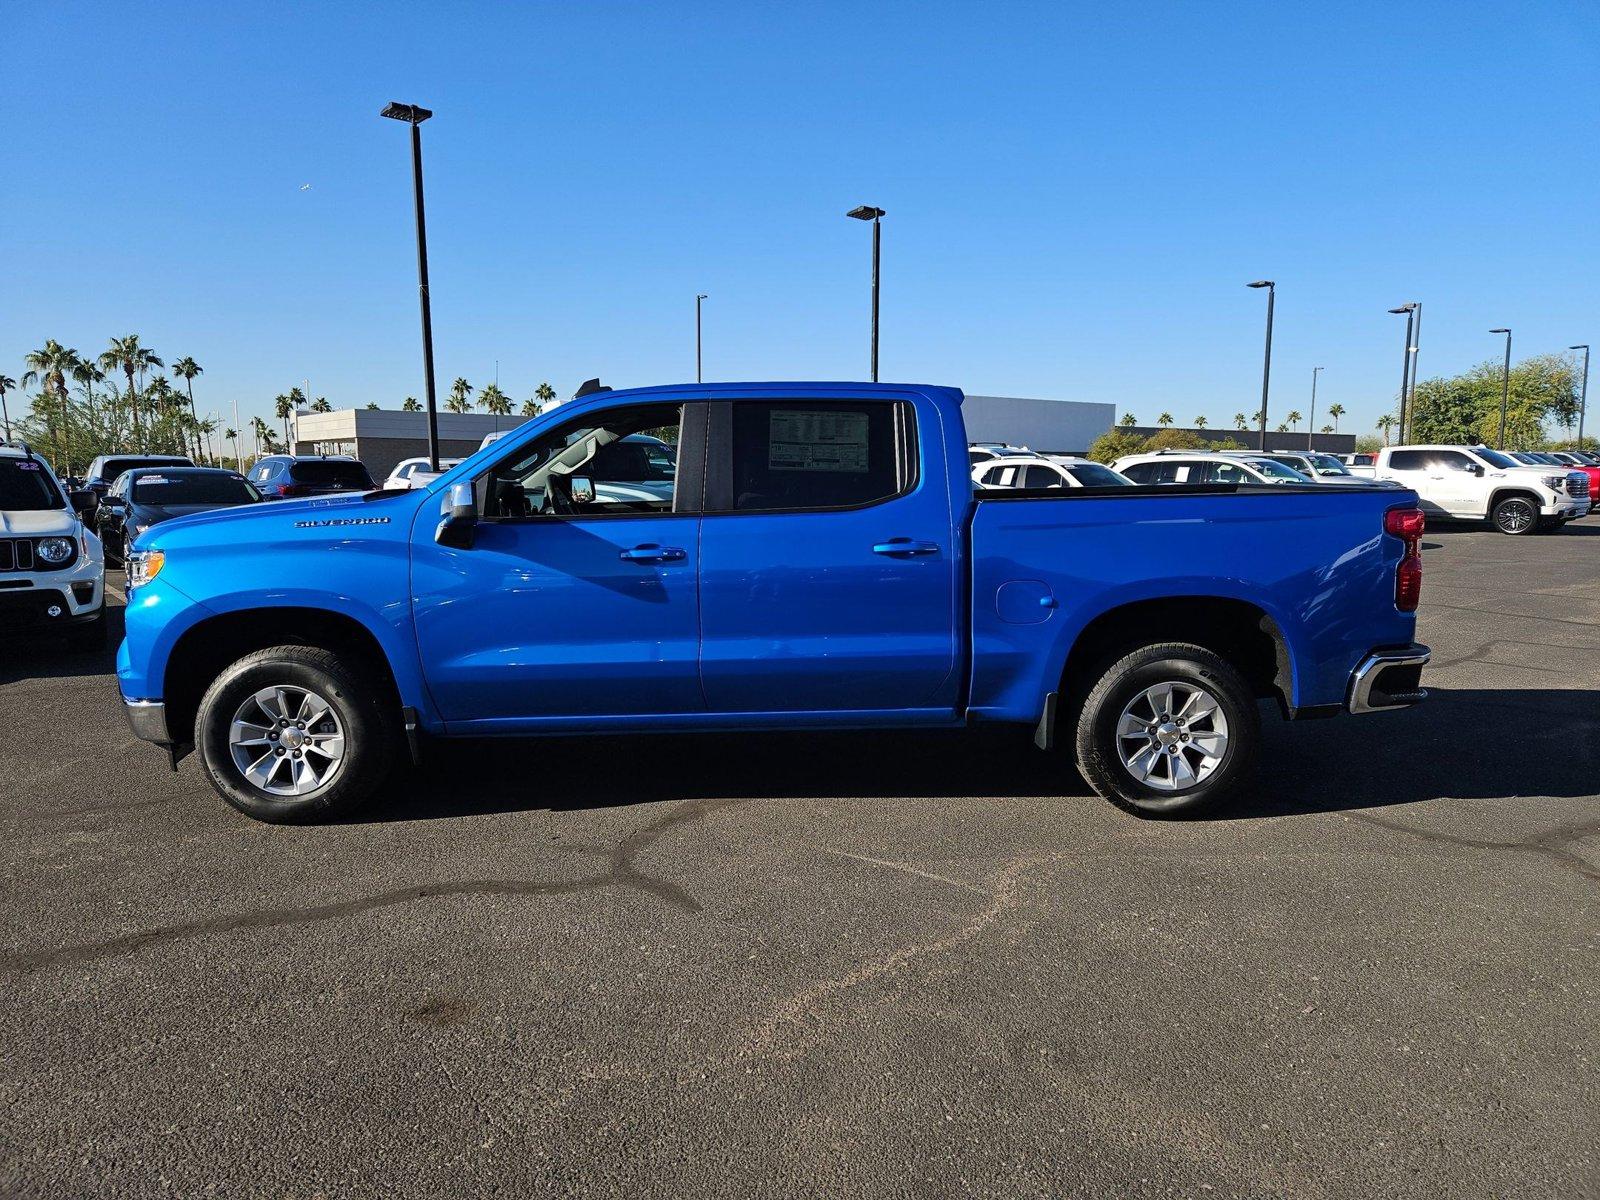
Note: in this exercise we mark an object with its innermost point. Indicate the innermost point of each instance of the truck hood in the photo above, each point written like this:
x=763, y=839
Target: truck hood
x=269, y=517
x=38, y=524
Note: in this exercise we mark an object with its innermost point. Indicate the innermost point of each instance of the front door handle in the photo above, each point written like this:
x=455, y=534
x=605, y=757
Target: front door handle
x=905, y=548
x=652, y=553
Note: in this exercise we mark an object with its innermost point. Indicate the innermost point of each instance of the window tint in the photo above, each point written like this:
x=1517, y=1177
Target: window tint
x=1407, y=460
x=1094, y=475
x=629, y=456
x=1493, y=457
x=1041, y=477
x=1450, y=460
x=1226, y=472
x=798, y=454
x=25, y=487
x=1140, y=472
x=181, y=488
x=345, y=474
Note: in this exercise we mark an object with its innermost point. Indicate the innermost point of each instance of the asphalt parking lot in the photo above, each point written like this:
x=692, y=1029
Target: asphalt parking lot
x=887, y=965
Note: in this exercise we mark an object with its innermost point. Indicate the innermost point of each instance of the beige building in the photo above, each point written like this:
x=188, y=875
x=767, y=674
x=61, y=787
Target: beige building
x=381, y=437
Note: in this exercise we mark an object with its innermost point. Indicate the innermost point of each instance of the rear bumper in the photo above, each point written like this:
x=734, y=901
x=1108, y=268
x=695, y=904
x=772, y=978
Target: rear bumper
x=1388, y=679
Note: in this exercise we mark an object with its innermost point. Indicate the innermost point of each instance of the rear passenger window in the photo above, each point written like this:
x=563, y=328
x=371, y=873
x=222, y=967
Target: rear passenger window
x=1041, y=477
x=1406, y=460
x=1223, y=472
x=1139, y=472
x=817, y=454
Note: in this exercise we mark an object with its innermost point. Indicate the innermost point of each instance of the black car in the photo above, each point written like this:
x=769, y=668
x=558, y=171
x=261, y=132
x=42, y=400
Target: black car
x=104, y=470
x=287, y=477
x=151, y=495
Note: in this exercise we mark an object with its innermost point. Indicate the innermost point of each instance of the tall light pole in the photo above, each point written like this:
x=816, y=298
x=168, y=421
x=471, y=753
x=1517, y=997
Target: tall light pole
x=1505, y=389
x=414, y=115
x=1311, y=421
x=1266, y=363
x=865, y=212
x=1416, y=345
x=699, y=296
x=1410, y=311
x=1583, y=399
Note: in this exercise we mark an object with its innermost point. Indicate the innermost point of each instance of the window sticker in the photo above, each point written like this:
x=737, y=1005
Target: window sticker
x=25, y=465
x=817, y=441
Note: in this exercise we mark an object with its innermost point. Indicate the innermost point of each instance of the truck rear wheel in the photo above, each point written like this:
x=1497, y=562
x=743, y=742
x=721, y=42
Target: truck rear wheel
x=1168, y=730
x=295, y=733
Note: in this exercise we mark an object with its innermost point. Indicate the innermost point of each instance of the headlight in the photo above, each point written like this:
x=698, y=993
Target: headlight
x=143, y=566
x=55, y=550
x=1554, y=482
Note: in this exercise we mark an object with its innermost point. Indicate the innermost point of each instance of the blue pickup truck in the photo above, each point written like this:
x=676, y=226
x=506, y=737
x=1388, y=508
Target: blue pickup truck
x=790, y=556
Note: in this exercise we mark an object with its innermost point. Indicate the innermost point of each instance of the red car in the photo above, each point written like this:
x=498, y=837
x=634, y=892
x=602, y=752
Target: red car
x=1579, y=462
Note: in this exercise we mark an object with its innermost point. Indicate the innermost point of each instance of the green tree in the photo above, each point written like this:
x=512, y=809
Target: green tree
x=1465, y=408
x=7, y=384
x=50, y=366
x=1239, y=421
x=1200, y=421
x=411, y=405
x=1294, y=420
x=1366, y=443
x=1385, y=423
x=460, y=393
x=493, y=401
x=1283, y=427
x=186, y=369
x=544, y=394
x=1128, y=420
x=372, y=406
x=1326, y=429
x=530, y=408
x=126, y=355
x=321, y=405
x=232, y=435
x=1177, y=439
x=1115, y=444
x=1336, y=411
x=1164, y=420
x=283, y=408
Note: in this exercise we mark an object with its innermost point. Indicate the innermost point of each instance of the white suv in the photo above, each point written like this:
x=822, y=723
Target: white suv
x=1205, y=466
x=1045, y=471
x=1476, y=483
x=52, y=569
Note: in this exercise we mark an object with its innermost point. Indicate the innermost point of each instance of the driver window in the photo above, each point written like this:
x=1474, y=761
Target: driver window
x=1226, y=472
x=621, y=461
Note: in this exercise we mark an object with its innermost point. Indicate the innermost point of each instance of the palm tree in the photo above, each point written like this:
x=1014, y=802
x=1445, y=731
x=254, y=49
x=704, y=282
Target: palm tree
x=1164, y=420
x=127, y=356
x=1239, y=422
x=544, y=393
x=232, y=435
x=530, y=408
x=459, y=401
x=1326, y=429
x=1283, y=427
x=492, y=400
x=1385, y=423
x=1294, y=419
x=88, y=374
x=7, y=384
x=283, y=406
x=1200, y=421
x=1257, y=417
x=1128, y=421
x=1336, y=411
x=50, y=366
x=321, y=405
x=186, y=369
x=372, y=406
x=262, y=432
x=411, y=405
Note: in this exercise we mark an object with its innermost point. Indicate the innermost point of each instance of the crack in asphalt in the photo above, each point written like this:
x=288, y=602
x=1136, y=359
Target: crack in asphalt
x=621, y=871
x=1552, y=843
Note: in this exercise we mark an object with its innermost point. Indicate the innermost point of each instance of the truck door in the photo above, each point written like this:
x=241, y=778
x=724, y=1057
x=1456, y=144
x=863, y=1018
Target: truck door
x=828, y=569
x=1415, y=469
x=578, y=596
x=1457, y=482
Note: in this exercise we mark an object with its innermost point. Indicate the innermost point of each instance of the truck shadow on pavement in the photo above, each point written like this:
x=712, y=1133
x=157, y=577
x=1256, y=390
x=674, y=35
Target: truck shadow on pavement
x=43, y=654
x=1520, y=743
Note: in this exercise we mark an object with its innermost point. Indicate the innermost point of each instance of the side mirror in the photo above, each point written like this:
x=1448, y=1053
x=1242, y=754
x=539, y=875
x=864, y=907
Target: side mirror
x=1475, y=469
x=82, y=501
x=582, y=489
x=458, y=518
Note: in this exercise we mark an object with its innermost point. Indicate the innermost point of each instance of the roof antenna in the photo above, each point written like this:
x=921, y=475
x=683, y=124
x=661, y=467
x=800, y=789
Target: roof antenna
x=588, y=388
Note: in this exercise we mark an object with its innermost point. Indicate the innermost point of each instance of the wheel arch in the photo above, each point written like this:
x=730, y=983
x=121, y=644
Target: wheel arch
x=206, y=648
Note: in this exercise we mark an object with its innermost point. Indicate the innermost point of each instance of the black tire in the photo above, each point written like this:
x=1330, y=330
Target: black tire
x=1515, y=516
x=1099, y=759
x=359, y=702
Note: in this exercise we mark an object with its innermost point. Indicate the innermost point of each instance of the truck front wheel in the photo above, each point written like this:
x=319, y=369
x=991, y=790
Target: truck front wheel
x=295, y=733
x=1515, y=515
x=1168, y=730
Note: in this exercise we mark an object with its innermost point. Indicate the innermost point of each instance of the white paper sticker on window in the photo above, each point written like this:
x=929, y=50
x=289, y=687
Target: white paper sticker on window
x=817, y=441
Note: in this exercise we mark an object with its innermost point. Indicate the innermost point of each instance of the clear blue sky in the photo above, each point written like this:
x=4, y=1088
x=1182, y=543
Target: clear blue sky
x=1076, y=193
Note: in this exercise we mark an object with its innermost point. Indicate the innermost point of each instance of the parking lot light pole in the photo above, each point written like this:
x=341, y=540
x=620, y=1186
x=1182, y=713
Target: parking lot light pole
x=414, y=115
x=1311, y=421
x=1266, y=364
x=1405, y=367
x=1416, y=346
x=1583, y=397
x=1505, y=389
x=865, y=212
x=699, y=296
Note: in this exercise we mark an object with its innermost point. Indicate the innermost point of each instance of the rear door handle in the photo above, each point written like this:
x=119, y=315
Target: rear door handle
x=905, y=548
x=652, y=553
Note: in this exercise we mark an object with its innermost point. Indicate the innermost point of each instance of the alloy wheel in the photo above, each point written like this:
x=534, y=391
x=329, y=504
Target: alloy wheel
x=287, y=741
x=1172, y=736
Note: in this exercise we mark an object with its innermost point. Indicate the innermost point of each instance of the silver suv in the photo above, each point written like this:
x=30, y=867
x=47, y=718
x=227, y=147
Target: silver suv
x=52, y=569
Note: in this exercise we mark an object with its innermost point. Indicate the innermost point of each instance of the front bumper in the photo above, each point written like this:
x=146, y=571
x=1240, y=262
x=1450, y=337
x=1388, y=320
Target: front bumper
x=148, y=719
x=1566, y=508
x=1388, y=679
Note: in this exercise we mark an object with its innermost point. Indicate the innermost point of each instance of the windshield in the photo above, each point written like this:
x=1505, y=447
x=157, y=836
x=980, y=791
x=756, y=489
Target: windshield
x=116, y=466
x=1094, y=475
x=1494, y=458
x=348, y=474
x=193, y=489
x=1327, y=464
x=25, y=486
x=1277, y=471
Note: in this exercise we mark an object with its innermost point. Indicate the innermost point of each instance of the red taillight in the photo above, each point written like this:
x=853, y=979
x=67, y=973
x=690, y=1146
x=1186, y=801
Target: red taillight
x=288, y=490
x=1407, y=524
